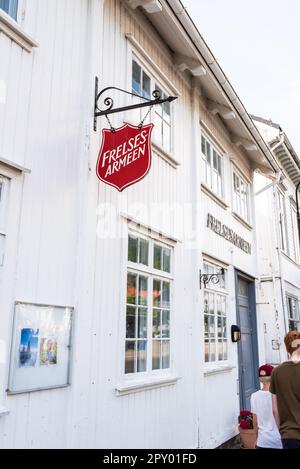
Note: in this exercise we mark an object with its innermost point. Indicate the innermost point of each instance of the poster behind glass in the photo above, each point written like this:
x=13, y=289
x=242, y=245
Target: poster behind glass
x=40, y=354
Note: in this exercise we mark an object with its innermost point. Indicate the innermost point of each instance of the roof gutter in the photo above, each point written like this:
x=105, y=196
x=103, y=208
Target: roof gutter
x=207, y=56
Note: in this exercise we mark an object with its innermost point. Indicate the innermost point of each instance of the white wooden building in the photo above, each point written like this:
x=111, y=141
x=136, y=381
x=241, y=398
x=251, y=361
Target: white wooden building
x=278, y=243
x=156, y=369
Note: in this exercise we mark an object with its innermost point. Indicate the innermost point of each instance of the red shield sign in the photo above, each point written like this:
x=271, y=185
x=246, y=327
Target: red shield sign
x=125, y=155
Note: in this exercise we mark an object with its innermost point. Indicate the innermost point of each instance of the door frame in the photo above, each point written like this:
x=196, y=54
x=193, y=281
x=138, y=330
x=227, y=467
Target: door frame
x=253, y=318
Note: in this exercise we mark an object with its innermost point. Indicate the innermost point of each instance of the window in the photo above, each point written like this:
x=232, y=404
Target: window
x=212, y=172
x=240, y=196
x=148, y=307
x=293, y=313
x=143, y=85
x=215, y=317
x=10, y=7
x=4, y=192
x=294, y=248
x=282, y=222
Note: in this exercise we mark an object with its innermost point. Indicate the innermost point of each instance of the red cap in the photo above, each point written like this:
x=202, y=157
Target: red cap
x=265, y=370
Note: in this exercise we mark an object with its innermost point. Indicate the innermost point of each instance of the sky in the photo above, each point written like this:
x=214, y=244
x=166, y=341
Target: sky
x=257, y=44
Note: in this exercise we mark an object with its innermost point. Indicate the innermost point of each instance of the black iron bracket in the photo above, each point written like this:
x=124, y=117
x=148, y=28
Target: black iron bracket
x=109, y=103
x=205, y=279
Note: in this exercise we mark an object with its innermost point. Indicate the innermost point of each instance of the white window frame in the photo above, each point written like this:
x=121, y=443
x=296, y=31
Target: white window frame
x=151, y=273
x=290, y=317
x=215, y=289
x=155, y=83
x=237, y=196
x=283, y=232
x=295, y=235
x=207, y=169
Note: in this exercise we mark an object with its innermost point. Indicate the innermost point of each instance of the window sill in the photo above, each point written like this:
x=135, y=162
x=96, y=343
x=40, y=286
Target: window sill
x=144, y=385
x=9, y=27
x=213, y=196
x=217, y=370
x=242, y=221
x=165, y=155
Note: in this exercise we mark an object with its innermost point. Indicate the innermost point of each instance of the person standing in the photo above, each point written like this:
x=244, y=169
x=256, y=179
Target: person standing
x=285, y=390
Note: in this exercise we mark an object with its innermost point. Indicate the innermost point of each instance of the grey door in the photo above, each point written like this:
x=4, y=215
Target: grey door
x=247, y=348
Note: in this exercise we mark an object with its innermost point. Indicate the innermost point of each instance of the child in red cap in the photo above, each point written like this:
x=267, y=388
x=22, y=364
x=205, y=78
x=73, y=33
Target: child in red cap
x=261, y=406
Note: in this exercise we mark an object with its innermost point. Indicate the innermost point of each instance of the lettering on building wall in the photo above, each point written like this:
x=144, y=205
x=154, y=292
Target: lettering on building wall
x=223, y=230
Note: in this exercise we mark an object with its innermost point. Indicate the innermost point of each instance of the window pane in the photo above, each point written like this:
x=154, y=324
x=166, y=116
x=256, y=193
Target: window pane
x=166, y=295
x=156, y=324
x=146, y=86
x=211, y=304
x=167, y=260
x=130, y=322
x=141, y=355
x=159, y=108
x=143, y=290
x=136, y=78
x=206, y=325
x=220, y=327
x=157, y=262
x=211, y=323
x=219, y=165
x=215, y=160
x=208, y=152
x=142, y=323
x=129, y=356
x=10, y=7
x=220, y=350
x=156, y=349
x=156, y=292
x=205, y=302
x=165, y=327
x=131, y=289
x=144, y=251
x=132, y=249
x=165, y=354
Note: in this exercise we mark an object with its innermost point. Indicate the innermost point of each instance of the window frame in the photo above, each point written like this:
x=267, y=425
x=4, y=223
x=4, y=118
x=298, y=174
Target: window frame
x=242, y=179
x=155, y=82
x=204, y=166
x=289, y=310
x=152, y=274
x=222, y=292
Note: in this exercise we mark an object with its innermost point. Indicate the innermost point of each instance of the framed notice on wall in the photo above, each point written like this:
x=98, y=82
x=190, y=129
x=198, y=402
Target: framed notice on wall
x=40, y=352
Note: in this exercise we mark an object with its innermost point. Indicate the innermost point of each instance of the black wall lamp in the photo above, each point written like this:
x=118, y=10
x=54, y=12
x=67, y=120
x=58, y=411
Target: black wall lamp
x=235, y=333
x=214, y=278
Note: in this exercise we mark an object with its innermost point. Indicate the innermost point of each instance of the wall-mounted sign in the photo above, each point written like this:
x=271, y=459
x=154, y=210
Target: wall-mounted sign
x=227, y=233
x=125, y=155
